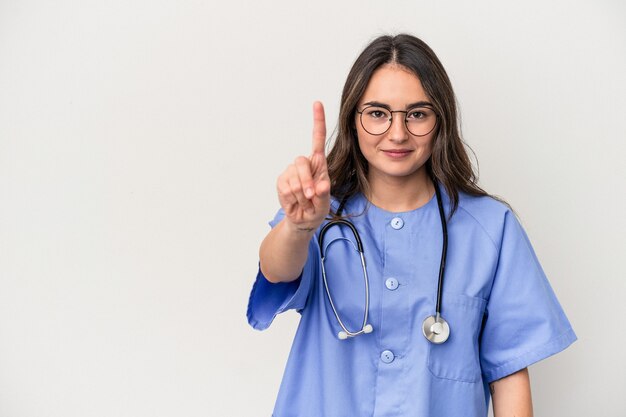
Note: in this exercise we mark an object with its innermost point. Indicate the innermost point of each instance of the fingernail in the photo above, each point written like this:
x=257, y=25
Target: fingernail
x=308, y=192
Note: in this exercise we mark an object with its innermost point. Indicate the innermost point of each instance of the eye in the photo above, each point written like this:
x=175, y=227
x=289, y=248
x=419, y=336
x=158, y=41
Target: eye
x=377, y=113
x=417, y=114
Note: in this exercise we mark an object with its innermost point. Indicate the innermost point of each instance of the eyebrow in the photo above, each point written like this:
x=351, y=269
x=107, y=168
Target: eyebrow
x=409, y=106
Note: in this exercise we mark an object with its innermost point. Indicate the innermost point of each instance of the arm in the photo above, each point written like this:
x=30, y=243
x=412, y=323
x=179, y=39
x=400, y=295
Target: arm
x=283, y=252
x=304, y=195
x=511, y=395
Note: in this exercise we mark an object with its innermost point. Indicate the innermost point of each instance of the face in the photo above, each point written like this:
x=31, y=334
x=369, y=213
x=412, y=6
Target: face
x=396, y=154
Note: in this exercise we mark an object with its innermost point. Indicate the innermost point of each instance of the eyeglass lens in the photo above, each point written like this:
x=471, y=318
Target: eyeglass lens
x=419, y=121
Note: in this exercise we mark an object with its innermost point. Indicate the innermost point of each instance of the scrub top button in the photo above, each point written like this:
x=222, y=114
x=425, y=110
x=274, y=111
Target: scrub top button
x=397, y=223
x=387, y=356
x=391, y=283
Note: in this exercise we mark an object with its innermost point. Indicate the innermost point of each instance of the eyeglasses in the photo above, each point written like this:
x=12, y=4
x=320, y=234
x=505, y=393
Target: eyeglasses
x=419, y=121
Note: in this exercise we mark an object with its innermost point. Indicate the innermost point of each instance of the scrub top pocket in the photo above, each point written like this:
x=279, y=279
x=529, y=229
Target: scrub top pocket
x=458, y=358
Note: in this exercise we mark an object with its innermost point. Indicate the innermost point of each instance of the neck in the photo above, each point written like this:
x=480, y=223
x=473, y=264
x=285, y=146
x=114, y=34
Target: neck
x=401, y=194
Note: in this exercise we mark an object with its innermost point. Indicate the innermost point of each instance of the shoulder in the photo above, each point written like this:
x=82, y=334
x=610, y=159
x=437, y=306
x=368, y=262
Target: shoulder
x=486, y=213
x=483, y=208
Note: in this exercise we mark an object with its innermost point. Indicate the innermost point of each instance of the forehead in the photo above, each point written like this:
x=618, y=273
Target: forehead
x=394, y=85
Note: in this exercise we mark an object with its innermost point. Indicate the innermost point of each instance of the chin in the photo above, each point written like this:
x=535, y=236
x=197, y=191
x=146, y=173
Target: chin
x=407, y=173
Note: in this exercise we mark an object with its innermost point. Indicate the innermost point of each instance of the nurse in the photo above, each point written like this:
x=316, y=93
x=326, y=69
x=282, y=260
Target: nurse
x=397, y=141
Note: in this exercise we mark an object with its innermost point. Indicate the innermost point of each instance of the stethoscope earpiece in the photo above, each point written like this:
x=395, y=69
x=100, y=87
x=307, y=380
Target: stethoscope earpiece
x=343, y=335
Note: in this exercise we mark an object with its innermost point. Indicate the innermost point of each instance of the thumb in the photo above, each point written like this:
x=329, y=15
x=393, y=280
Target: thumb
x=319, y=166
x=321, y=179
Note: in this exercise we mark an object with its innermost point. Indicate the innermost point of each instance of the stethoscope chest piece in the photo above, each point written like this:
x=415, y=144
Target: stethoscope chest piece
x=436, y=329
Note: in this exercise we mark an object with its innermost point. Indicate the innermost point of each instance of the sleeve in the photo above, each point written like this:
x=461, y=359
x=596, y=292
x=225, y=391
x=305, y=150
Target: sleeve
x=269, y=299
x=524, y=322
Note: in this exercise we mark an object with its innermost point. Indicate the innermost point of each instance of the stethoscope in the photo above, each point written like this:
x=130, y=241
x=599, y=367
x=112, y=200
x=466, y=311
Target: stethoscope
x=434, y=328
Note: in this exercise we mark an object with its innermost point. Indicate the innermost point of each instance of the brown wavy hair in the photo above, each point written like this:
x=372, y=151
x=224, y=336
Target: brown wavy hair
x=449, y=163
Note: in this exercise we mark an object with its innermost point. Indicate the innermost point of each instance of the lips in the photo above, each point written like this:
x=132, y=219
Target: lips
x=396, y=153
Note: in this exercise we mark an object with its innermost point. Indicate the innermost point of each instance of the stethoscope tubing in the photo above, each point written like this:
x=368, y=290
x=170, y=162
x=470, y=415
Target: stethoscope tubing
x=444, y=250
x=359, y=248
x=435, y=328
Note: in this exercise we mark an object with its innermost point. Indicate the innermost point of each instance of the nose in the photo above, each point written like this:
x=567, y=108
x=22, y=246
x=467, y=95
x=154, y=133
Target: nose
x=397, y=130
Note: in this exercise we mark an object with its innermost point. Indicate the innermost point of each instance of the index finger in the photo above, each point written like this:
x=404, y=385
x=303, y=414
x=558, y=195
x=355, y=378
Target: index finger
x=319, y=128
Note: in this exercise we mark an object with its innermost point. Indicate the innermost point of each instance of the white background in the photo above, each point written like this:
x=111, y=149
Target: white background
x=139, y=146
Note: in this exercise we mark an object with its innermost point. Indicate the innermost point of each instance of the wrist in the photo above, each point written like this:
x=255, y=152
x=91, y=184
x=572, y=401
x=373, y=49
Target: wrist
x=301, y=230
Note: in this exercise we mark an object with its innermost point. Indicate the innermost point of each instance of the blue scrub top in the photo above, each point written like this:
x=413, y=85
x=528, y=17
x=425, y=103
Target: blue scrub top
x=502, y=312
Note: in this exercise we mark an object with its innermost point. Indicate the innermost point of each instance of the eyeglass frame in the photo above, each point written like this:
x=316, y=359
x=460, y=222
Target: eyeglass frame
x=406, y=112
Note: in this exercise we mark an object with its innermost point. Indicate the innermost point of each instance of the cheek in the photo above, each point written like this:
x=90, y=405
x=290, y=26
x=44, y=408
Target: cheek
x=427, y=143
x=367, y=146
x=364, y=139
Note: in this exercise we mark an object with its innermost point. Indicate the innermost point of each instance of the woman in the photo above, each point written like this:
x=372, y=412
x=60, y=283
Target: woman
x=399, y=172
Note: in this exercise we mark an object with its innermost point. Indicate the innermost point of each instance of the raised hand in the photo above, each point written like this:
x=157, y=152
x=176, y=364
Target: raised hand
x=304, y=187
